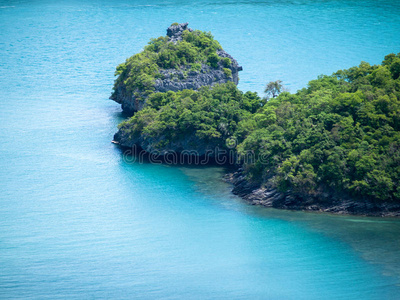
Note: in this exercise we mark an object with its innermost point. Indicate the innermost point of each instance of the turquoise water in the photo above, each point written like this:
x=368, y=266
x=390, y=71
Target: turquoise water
x=78, y=221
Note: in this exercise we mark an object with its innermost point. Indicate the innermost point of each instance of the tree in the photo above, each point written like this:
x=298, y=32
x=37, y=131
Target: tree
x=273, y=89
x=395, y=68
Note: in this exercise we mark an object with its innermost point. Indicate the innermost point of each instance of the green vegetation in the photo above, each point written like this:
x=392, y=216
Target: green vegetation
x=196, y=67
x=339, y=135
x=212, y=114
x=273, y=89
x=227, y=72
x=226, y=61
x=138, y=73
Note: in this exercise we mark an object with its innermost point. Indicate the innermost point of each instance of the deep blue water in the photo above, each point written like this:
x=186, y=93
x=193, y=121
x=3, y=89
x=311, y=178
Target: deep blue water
x=79, y=221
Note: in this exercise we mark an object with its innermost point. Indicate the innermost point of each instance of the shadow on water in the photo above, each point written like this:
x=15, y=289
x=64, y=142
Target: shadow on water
x=376, y=240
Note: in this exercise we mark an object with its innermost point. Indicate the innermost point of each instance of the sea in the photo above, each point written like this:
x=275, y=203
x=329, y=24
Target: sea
x=80, y=220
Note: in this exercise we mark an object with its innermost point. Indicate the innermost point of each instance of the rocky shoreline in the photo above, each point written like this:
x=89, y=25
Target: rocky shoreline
x=326, y=203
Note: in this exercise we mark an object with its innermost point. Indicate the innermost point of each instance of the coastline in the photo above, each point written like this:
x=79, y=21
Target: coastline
x=255, y=194
x=267, y=196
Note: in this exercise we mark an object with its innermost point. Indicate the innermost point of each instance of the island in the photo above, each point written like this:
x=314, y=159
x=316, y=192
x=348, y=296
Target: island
x=183, y=59
x=333, y=146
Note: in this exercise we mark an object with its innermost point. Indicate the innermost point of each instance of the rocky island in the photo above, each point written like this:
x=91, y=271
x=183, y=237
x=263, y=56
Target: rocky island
x=333, y=146
x=183, y=59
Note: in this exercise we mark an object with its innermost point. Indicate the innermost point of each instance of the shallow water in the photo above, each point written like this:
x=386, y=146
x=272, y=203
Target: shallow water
x=79, y=221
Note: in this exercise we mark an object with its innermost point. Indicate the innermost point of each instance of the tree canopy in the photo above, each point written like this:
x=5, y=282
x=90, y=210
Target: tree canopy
x=273, y=89
x=211, y=114
x=341, y=134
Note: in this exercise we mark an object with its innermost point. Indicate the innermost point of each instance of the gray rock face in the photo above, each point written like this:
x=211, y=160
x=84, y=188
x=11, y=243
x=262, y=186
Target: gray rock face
x=184, y=78
x=177, y=80
x=174, y=32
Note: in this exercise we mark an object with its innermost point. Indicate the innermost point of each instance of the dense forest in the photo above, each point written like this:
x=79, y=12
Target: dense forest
x=210, y=114
x=340, y=134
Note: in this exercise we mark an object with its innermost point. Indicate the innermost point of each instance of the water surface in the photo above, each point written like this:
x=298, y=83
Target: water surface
x=79, y=221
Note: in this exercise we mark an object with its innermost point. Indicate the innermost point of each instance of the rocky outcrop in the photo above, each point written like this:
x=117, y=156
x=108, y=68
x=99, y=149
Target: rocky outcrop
x=185, y=78
x=326, y=202
x=174, y=32
x=182, y=78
